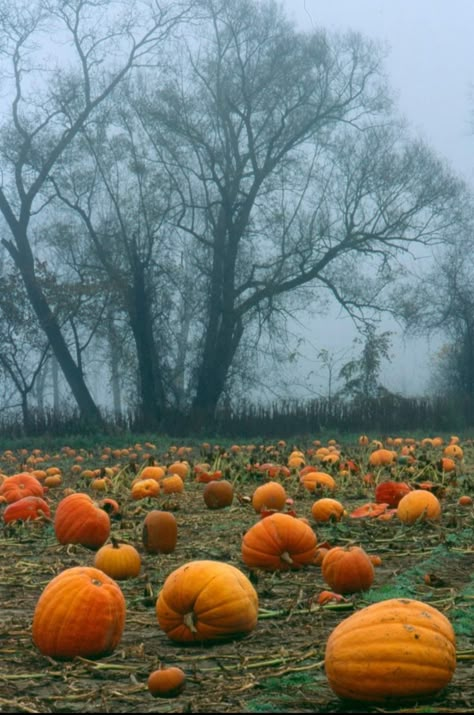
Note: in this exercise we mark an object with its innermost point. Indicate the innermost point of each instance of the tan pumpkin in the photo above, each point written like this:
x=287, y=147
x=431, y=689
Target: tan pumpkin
x=118, y=560
x=347, y=569
x=207, y=601
x=166, y=682
x=81, y=612
x=394, y=650
x=419, y=504
x=279, y=543
x=218, y=494
x=159, y=532
x=271, y=495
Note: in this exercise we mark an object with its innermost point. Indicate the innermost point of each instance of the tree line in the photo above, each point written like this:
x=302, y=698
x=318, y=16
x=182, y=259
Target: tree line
x=179, y=180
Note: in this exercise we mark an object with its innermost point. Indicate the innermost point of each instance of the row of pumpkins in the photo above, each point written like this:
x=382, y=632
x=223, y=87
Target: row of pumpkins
x=398, y=648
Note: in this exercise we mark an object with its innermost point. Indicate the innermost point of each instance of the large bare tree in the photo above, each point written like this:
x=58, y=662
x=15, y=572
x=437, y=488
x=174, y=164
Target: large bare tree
x=60, y=60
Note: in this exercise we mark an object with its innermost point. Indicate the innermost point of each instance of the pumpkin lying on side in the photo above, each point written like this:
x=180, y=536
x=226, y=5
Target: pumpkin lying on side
x=278, y=543
x=207, y=601
x=397, y=649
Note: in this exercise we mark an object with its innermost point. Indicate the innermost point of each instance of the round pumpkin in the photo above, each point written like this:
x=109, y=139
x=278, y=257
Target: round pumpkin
x=118, y=560
x=172, y=484
x=419, y=504
x=20, y=485
x=347, y=569
x=315, y=481
x=327, y=509
x=218, y=494
x=145, y=488
x=382, y=457
x=279, y=543
x=166, y=682
x=206, y=601
x=25, y=509
x=79, y=520
x=159, y=532
x=390, y=492
x=81, y=612
x=271, y=495
x=397, y=649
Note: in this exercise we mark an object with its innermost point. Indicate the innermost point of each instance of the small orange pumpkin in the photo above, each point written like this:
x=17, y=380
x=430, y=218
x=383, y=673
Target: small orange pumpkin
x=218, y=494
x=382, y=457
x=315, y=481
x=166, y=682
x=347, y=569
x=173, y=484
x=25, y=509
x=327, y=509
x=79, y=520
x=118, y=560
x=419, y=504
x=81, y=612
x=145, y=488
x=271, y=495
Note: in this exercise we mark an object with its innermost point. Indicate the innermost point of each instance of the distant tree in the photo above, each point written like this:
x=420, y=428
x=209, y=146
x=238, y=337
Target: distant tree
x=361, y=375
x=61, y=59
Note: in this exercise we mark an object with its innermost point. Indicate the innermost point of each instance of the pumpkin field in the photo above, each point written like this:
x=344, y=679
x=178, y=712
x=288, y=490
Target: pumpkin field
x=325, y=576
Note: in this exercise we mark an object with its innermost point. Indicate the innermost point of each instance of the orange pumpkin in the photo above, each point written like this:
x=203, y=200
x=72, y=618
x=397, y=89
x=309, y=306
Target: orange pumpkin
x=166, y=682
x=315, y=481
x=81, y=612
x=419, y=504
x=173, y=484
x=327, y=509
x=395, y=650
x=20, y=485
x=271, y=495
x=382, y=457
x=118, y=560
x=153, y=471
x=79, y=520
x=207, y=601
x=159, y=532
x=347, y=569
x=279, y=543
x=145, y=488
x=25, y=509
x=218, y=494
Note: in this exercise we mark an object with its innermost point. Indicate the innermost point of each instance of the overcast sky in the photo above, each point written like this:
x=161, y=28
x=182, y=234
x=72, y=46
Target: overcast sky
x=430, y=68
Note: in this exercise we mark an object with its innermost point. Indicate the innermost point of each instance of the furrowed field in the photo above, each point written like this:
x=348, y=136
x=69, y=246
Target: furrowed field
x=276, y=664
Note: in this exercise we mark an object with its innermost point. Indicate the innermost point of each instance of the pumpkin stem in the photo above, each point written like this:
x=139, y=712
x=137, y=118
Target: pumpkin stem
x=115, y=542
x=189, y=620
x=285, y=556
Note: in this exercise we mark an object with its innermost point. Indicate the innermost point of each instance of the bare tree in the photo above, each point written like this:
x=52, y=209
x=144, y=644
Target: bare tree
x=51, y=100
x=294, y=176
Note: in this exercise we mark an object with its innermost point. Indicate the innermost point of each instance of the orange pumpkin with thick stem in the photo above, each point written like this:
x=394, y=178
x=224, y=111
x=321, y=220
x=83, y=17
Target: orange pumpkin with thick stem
x=419, y=505
x=79, y=520
x=207, y=601
x=81, y=612
x=279, y=543
x=166, y=682
x=271, y=495
x=118, y=560
x=159, y=532
x=347, y=569
x=393, y=651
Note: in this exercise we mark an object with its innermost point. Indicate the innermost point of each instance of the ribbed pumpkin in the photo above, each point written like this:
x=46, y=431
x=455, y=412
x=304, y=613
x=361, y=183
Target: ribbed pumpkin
x=327, y=509
x=159, y=532
x=21, y=485
x=271, y=495
x=218, y=494
x=397, y=649
x=347, y=569
x=81, y=612
x=207, y=601
x=172, y=484
x=25, y=509
x=279, y=543
x=79, y=520
x=390, y=492
x=166, y=682
x=145, y=488
x=419, y=504
x=118, y=560
x=315, y=481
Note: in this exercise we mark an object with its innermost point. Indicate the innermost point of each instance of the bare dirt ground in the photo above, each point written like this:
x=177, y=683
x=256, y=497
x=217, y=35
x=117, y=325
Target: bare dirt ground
x=279, y=667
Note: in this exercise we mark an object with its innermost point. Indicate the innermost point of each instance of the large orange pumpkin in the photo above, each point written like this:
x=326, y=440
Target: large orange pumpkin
x=279, y=543
x=81, y=612
x=419, y=504
x=79, y=520
x=394, y=650
x=347, y=569
x=315, y=481
x=25, y=509
x=207, y=601
x=21, y=485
